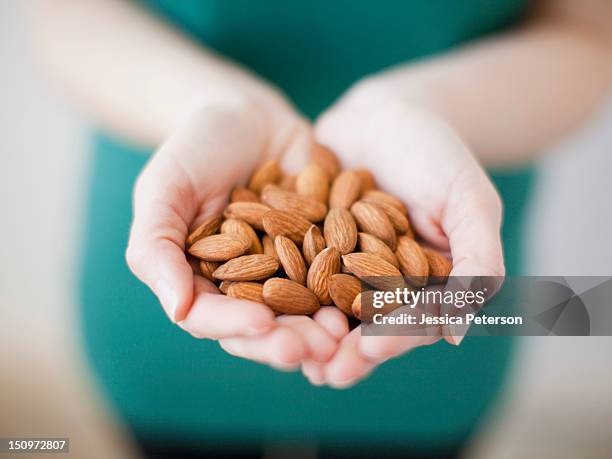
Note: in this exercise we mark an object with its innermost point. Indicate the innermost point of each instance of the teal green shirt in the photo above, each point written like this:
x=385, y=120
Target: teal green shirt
x=167, y=384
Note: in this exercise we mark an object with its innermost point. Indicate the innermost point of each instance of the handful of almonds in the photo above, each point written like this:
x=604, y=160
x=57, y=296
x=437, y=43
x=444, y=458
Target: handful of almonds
x=298, y=242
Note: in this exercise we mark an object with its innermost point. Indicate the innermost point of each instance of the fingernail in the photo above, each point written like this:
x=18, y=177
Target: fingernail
x=168, y=298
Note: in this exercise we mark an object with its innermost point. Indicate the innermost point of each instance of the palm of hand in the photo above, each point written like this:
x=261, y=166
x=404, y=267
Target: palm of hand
x=412, y=154
x=452, y=205
x=189, y=179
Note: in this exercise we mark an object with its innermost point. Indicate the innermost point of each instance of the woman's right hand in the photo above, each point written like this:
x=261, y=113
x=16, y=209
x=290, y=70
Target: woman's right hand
x=188, y=179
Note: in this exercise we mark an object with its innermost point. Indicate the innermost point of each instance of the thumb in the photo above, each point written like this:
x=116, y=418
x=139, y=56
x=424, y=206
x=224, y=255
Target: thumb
x=155, y=252
x=472, y=221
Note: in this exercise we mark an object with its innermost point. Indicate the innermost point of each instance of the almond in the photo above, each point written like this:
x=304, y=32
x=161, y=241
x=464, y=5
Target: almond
x=247, y=268
x=356, y=306
x=380, y=197
x=251, y=291
x=363, y=306
x=291, y=259
x=207, y=268
x=324, y=265
x=412, y=260
x=345, y=190
x=224, y=286
x=373, y=270
x=269, y=172
x=326, y=160
x=250, y=212
x=289, y=201
x=340, y=230
x=220, y=247
x=313, y=182
x=233, y=226
x=371, y=244
x=365, y=264
x=240, y=194
x=288, y=183
x=281, y=223
x=397, y=218
x=288, y=297
x=313, y=243
x=206, y=228
x=367, y=180
x=372, y=220
x=268, y=246
x=343, y=288
x=439, y=265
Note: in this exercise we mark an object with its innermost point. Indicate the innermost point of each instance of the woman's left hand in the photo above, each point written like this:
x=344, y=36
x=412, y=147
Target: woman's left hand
x=452, y=203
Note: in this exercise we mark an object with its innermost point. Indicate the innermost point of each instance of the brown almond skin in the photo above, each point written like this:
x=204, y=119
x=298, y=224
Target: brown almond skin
x=313, y=182
x=380, y=197
x=371, y=244
x=399, y=221
x=220, y=247
x=247, y=268
x=250, y=212
x=356, y=307
x=324, y=265
x=372, y=219
x=313, y=244
x=234, y=226
x=207, y=268
x=240, y=194
x=326, y=160
x=366, y=264
x=269, y=172
x=250, y=291
x=368, y=314
x=412, y=260
x=345, y=190
x=288, y=183
x=280, y=199
x=373, y=270
x=206, y=228
x=224, y=286
x=288, y=297
x=281, y=223
x=340, y=230
x=397, y=218
x=291, y=259
x=268, y=246
x=367, y=180
x=343, y=288
x=439, y=265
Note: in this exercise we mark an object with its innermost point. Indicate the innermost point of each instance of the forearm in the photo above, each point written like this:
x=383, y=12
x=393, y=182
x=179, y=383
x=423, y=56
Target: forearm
x=132, y=73
x=513, y=96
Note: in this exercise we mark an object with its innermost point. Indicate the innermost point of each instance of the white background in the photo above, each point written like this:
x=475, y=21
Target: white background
x=558, y=403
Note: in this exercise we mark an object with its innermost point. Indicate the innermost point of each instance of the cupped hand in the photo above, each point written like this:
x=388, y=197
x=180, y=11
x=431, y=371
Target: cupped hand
x=452, y=204
x=188, y=179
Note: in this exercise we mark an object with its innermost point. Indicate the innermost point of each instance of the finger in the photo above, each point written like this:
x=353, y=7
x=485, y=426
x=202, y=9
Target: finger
x=156, y=256
x=320, y=345
x=378, y=349
x=314, y=372
x=333, y=320
x=281, y=348
x=422, y=221
x=162, y=206
x=348, y=364
x=217, y=316
x=296, y=153
x=472, y=221
x=335, y=323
